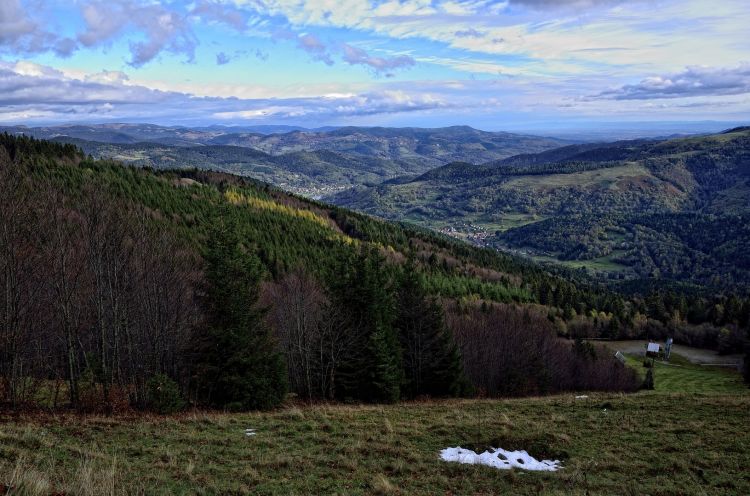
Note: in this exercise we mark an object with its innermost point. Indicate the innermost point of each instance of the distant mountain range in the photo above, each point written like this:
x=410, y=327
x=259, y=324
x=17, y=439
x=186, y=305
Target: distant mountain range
x=660, y=210
x=309, y=162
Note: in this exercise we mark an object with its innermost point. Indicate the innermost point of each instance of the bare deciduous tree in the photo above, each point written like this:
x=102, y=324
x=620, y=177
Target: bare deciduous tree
x=310, y=332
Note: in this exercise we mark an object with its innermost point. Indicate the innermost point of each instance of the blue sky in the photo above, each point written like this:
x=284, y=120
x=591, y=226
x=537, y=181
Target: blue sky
x=491, y=64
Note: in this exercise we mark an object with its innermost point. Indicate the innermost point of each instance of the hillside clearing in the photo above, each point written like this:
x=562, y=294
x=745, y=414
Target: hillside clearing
x=598, y=177
x=651, y=443
x=680, y=375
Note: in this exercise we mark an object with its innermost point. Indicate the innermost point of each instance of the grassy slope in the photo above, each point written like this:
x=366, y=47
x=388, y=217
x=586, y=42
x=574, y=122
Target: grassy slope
x=648, y=443
x=679, y=375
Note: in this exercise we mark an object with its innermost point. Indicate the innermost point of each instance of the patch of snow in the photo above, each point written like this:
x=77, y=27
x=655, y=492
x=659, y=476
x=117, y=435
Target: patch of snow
x=500, y=458
x=250, y=432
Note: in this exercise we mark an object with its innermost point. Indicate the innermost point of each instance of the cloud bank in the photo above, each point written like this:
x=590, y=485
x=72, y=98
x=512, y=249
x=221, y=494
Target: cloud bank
x=36, y=92
x=692, y=82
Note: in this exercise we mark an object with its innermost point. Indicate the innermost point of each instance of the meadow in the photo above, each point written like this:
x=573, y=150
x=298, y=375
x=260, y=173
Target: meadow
x=680, y=375
x=657, y=442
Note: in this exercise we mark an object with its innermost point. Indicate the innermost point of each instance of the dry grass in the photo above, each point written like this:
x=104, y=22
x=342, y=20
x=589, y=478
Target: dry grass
x=610, y=444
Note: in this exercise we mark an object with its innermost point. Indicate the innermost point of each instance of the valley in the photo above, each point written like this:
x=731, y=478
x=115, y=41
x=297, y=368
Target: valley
x=625, y=210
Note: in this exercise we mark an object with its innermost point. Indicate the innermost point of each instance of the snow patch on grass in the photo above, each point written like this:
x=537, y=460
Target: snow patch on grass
x=499, y=458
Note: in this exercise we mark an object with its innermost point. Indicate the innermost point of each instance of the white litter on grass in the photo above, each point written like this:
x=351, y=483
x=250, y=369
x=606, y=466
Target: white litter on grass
x=582, y=397
x=250, y=432
x=499, y=458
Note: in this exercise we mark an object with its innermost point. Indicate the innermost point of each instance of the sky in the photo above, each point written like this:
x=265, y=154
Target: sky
x=491, y=64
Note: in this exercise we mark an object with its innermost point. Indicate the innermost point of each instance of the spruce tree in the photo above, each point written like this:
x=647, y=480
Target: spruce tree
x=372, y=371
x=236, y=365
x=431, y=360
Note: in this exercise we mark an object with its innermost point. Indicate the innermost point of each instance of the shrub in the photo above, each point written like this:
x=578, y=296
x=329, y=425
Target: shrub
x=94, y=397
x=163, y=395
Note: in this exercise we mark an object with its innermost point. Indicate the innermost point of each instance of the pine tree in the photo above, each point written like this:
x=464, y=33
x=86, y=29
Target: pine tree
x=431, y=361
x=236, y=363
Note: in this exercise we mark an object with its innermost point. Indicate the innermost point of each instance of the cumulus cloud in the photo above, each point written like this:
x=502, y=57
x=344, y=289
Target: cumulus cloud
x=152, y=27
x=19, y=33
x=162, y=29
x=353, y=55
x=14, y=23
x=693, y=81
x=102, y=24
x=65, y=47
x=28, y=84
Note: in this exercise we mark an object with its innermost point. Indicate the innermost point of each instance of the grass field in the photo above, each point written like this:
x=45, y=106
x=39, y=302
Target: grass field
x=679, y=375
x=599, y=177
x=605, y=264
x=656, y=442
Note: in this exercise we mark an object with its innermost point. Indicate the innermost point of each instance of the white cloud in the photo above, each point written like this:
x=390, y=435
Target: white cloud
x=578, y=38
x=162, y=29
x=214, y=11
x=693, y=81
x=15, y=24
x=356, y=56
x=33, y=91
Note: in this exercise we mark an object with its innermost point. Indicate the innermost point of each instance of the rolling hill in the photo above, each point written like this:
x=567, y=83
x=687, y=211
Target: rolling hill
x=309, y=173
x=664, y=210
x=428, y=147
x=313, y=163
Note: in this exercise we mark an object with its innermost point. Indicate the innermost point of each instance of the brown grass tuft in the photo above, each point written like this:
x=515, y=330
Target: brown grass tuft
x=381, y=485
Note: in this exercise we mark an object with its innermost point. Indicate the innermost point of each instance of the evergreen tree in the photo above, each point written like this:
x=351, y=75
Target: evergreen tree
x=236, y=363
x=648, y=382
x=373, y=371
x=432, y=363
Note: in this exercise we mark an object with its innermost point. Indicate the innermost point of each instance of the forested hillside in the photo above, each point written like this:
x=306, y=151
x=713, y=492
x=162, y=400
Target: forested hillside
x=669, y=211
x=420, y=146
x=309, y=173
x=127, y=286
